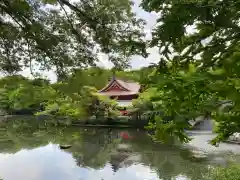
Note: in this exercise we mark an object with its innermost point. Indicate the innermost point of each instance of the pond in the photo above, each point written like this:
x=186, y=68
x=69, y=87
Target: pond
x=97, y=154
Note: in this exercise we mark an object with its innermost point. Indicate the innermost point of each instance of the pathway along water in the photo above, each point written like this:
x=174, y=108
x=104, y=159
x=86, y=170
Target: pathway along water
x=97, y=154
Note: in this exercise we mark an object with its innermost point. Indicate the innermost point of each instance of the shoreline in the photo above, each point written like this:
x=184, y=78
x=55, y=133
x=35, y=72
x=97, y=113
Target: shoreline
x=103, y=126
x=232, y=142
x=61, y=121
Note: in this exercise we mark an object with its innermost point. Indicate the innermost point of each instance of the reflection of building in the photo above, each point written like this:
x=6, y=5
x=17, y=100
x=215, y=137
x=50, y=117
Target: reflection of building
x=124, y=92
x=117, y=160
x=115, y=167
x=123, y=156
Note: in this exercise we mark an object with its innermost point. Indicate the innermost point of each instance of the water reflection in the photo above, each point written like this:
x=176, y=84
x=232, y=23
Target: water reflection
x=95, y=155
x=46, y=162
x=49, y=162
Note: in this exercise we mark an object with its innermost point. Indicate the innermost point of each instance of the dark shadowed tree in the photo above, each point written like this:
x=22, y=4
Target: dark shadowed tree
x=60, y=34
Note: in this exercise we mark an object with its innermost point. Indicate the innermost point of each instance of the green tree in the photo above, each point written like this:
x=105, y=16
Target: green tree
x=199, y=68
x=142, y=108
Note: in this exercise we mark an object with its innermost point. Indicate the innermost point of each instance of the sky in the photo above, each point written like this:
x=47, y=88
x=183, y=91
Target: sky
x=136, y=62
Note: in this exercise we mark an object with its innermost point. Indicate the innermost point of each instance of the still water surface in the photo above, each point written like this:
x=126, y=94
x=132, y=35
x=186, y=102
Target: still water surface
x=97, y=154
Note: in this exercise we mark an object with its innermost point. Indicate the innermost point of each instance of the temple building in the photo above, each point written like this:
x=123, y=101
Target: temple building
x=124, y=92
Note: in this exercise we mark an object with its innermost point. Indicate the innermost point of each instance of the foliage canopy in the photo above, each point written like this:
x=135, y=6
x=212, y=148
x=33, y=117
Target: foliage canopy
x=60, y=34
x=199, y=69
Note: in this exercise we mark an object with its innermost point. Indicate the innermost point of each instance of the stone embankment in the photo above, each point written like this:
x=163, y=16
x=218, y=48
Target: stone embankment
x=235, y=138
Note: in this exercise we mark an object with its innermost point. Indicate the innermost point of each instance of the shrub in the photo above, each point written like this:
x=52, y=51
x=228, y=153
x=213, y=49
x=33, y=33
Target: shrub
x=232, y=172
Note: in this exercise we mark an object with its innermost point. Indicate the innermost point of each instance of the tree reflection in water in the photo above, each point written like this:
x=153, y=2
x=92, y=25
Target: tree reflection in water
x=94, y=148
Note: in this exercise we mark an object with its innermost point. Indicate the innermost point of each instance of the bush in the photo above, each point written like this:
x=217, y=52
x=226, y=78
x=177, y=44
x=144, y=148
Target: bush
x=230, y=173
x=123, y=119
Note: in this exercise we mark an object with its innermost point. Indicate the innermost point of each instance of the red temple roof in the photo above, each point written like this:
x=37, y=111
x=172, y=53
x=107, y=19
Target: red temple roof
x=117, y=87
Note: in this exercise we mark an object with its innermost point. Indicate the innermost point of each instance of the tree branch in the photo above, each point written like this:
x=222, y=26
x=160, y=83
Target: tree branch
x=74, y=8
x=70, y=22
